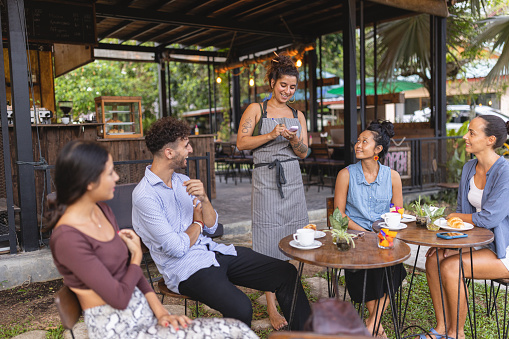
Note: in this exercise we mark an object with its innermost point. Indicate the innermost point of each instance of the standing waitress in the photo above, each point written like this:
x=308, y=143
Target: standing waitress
x=278, y=202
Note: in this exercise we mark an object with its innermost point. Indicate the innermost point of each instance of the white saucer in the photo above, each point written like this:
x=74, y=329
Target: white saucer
x=401, y=226
x=443, y=224
x=319, y=234
x=295, y=244
x=407, y=218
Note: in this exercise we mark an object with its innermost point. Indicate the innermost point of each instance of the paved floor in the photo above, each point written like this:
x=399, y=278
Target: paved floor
x=233, y=202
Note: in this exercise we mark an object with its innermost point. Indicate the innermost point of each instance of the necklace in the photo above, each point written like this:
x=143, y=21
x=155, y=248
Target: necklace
x=95, y=222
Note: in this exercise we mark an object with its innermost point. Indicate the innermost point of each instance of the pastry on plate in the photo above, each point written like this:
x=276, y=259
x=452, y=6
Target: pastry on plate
x=455, y=222
x=310, y=226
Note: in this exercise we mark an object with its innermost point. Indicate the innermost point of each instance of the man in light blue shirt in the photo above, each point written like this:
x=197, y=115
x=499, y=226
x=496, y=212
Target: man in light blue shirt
x=170, y=214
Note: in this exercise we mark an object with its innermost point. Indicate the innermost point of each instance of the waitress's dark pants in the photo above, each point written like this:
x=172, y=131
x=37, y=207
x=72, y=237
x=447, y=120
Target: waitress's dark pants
x=215, y=286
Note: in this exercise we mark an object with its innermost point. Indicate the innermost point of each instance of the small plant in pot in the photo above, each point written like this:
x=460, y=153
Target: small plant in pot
x=340, y=236
x=422, y=219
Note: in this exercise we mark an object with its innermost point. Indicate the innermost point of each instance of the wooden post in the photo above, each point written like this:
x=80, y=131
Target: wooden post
x=313, y=112
x=350, y=73
x=162, y=88
x=237, y=114
x=22, y=125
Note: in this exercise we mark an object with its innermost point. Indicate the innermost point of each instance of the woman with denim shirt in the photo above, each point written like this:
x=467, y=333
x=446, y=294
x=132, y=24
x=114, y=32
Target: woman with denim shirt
x=364, y=191
x=482, y=201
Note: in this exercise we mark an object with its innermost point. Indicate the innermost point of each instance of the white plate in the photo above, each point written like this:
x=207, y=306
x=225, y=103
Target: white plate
x=408, y=218
x=319, y=234
x=443, y=224
x=401, y=226
x=295, y=244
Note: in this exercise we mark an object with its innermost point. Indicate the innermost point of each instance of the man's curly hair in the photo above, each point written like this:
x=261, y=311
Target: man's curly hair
x=164, y=131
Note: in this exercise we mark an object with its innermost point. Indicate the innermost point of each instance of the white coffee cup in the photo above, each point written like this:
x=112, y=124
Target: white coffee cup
x=392, y=219
x=305, y=237
x=65, y=120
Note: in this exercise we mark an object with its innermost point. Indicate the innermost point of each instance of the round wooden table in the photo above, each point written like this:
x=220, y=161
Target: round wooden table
x=365, y=255
x=421, y=236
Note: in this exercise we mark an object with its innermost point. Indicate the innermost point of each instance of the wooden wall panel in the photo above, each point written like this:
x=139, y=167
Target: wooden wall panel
x=54, y=137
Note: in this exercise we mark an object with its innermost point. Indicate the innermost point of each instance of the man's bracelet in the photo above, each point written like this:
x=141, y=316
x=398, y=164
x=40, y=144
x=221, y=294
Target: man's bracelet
x=200, y=224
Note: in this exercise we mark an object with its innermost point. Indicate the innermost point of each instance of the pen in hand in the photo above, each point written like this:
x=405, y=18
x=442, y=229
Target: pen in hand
x=276, y=121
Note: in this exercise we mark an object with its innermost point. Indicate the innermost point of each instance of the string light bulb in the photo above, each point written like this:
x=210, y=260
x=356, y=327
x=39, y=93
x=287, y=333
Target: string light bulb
x=218, y=79
x=298, y=63
x=490, y=103
x=251, y=82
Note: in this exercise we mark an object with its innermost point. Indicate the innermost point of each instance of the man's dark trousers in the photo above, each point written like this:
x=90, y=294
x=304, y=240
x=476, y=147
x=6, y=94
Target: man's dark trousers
x=215, y=286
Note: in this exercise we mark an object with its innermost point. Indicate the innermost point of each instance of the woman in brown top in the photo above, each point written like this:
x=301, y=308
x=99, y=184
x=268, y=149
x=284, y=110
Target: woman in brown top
x=100, y=263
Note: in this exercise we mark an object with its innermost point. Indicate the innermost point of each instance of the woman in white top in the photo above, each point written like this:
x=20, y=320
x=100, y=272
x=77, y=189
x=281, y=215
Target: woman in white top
x=482, y=201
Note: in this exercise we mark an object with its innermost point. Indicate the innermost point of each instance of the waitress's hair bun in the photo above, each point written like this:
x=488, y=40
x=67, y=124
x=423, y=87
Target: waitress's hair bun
x=383, y=131
x=280, y=65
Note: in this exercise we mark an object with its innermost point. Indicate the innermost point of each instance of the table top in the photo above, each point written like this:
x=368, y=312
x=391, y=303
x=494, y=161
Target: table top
x=477, y=236
x=365, y=255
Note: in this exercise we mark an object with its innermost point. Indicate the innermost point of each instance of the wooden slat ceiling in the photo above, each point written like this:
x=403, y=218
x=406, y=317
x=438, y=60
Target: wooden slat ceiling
x=249, y=26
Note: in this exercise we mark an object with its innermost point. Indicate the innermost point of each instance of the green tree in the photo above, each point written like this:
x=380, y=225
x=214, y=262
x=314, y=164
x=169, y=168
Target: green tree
x=496, y=33
x=108, y=78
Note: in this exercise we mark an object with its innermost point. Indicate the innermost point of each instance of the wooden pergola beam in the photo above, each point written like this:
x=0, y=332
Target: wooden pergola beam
x=291, y=51
x=433, y=7
x=136, y=14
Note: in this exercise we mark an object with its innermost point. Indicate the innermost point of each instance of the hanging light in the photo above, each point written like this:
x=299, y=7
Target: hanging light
x=490, y=102
x=218, y=80
x=298, y=63
x=251, y=82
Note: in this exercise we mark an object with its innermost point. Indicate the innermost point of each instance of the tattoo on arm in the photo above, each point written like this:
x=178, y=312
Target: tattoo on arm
x=246, y=125
x=300, y=147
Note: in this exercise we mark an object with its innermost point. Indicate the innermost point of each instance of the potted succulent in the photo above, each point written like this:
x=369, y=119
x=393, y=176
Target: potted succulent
x=340, y=236
x=427, y=214
x=420, y=216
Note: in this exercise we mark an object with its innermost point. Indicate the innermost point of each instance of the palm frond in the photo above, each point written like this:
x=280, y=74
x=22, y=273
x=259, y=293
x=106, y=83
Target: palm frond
x=404, y=44
x=476, y=6
x=497, y=30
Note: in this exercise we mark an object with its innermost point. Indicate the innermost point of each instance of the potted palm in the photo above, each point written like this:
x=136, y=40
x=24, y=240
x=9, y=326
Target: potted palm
x=340, y=236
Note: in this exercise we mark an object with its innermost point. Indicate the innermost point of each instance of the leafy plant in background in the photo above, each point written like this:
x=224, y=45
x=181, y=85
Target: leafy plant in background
x=456, y=153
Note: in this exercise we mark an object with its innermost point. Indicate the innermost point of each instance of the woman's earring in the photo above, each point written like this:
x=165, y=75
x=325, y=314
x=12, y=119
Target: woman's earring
x=376, y=158
x=291, y=102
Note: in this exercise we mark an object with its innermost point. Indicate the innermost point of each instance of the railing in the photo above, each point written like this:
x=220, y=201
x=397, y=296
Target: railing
x=422, y=162
x=129, y=171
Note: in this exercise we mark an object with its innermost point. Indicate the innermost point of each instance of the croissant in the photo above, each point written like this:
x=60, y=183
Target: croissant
x=455, y=222
x=310, y=226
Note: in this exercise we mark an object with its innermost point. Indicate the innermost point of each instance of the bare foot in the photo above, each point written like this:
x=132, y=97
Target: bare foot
x=276, y=320
x=381, y=331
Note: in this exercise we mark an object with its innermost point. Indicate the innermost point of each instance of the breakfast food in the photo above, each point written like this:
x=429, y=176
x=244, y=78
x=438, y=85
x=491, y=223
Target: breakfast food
x=397, y=209
x=455, y=222
x=110, y=121
x=310, y=226
x=386, y=238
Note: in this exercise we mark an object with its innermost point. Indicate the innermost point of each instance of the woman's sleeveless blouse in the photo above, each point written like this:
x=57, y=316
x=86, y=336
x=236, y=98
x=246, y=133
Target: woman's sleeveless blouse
x=365, y=202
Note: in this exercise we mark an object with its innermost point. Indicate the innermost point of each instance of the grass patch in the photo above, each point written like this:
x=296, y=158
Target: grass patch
x=12, y=330
x=419, y=313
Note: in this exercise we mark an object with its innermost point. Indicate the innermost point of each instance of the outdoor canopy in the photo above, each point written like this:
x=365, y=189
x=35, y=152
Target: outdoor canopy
x=391, y=87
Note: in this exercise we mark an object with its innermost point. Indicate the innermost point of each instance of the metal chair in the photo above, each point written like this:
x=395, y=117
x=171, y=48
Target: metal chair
x=68, y=307
x=491, y=304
